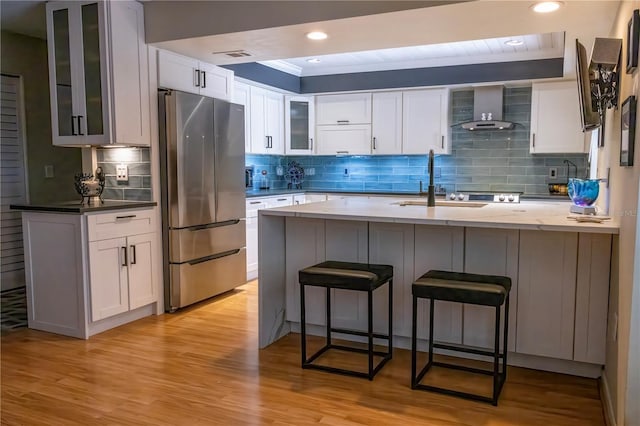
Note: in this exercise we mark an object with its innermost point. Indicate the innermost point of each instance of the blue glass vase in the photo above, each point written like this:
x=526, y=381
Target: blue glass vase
x=583, y=192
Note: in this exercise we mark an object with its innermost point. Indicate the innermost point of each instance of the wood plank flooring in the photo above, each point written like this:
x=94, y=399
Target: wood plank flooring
x=202, y=366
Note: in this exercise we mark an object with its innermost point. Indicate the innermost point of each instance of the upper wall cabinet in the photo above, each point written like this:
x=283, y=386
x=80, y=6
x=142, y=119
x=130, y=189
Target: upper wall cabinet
x=352, y=108
x=386, y=123
x=190, y=75
x=299, y=124
x=267, y=121
x=425, y=123
x=98, y=73
x=242, y=96
x=555, y=119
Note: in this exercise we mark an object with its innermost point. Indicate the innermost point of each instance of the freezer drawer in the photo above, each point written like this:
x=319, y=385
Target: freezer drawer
x=194, y=243
x=196, y=281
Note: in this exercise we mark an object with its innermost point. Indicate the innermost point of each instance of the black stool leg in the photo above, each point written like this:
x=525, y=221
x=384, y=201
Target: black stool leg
x=414, y=316
x=496, y=359
x=431, y=309
x=328, y=316
x=390, y=340
x=303, y=331
x=370, y=331
x=506, y=333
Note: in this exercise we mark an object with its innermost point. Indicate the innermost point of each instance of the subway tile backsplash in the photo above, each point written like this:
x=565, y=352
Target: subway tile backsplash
x=480, y=161
x=138, y=188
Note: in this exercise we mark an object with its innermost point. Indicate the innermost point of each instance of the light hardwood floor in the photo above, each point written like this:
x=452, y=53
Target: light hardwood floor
x=202, y=366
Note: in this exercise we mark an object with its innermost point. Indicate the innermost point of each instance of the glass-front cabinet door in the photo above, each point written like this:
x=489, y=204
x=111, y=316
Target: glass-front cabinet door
x=77, y=49
x=299, y=124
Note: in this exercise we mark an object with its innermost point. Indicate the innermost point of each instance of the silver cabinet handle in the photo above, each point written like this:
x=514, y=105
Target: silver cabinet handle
x=196, y=78
x=204, y=79
x=533, y=135
x=266, y=141
x=255, y=202
x=311, y=144
x=129, y=216
x=342, y=152
x=282, y=199
x=80, y=125
x=124, y=252
x=73, y=126
x=343, y=121
x=442, y=143
x=374, y=142
x=133, y=254
x=297, y=202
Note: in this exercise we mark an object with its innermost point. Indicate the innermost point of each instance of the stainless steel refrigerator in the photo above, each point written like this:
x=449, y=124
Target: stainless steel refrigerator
x=203, y=196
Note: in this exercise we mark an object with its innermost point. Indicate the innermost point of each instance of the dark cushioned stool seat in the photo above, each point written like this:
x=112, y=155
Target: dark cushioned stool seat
x=476, y=289
x=489, y=290
x=347, y=276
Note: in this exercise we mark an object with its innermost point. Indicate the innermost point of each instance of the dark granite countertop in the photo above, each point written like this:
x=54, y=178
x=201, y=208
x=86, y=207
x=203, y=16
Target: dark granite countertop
x=77, y=208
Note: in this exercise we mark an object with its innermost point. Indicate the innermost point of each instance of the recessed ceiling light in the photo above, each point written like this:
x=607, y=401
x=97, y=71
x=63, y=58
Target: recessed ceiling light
x=316, y=35
x=313, y=60
x=546, y=6
x=514, y=42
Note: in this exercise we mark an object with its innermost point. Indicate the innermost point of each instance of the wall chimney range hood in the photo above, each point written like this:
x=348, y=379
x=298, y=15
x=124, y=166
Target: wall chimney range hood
x=487, y=110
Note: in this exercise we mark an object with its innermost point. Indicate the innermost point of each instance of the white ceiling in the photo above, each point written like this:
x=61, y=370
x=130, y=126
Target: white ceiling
x=462, y=33
x=534, y=46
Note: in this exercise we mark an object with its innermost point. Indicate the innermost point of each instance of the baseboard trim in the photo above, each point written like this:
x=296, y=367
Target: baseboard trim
x=605, y=397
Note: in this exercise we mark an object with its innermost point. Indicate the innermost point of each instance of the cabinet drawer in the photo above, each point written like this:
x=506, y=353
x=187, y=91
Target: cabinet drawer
x=120, y=224
x=253, y=205
x=351, y=108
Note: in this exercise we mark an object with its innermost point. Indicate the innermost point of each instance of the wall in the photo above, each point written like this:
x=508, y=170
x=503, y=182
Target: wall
x=27, y=57
x=623, y=196
x=497, y=161
x=138, y=187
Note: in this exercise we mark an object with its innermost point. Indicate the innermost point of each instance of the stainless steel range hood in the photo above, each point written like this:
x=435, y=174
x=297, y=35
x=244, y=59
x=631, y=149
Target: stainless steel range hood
x=487, y=110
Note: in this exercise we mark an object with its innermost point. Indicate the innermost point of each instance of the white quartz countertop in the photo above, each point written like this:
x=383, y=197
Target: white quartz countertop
x=534, y=215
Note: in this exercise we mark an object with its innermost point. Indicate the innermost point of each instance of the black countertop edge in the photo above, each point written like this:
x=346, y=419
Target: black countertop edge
x=77, y=208
x=274, y=192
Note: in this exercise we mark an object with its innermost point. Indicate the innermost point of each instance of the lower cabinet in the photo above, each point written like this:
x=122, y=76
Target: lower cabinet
x=87, y=273
x=122, y=274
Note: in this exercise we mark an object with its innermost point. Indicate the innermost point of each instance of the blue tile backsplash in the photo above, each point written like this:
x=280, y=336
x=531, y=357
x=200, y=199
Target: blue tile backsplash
x=138, y=188
x=480, y=161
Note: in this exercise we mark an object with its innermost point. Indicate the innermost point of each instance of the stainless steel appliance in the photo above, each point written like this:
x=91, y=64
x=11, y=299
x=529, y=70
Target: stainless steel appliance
x=203, y=196
x=488, y=197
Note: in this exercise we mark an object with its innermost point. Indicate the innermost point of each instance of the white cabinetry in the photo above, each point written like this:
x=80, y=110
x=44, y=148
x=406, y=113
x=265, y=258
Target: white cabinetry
x=349, y=139
x=350, y=108
x=267, y=121
x=386, y=123
x=546, y=293
x=425, y=123
x=89, y=273
x=98, y=73
x=299, y=112
x=555, y=119
x=242, y=96
x=190, y=75
x=122, y=262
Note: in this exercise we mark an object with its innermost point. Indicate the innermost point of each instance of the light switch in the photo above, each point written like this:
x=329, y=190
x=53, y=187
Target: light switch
x=48, y=171
x=122, y=173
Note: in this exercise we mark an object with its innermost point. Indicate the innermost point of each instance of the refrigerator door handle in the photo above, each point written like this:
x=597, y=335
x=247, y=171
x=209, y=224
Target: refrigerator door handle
x=212, y=257
x=214, y=225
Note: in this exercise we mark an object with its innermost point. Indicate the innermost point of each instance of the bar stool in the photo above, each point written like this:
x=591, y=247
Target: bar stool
x=347, y=276
x=486, y=290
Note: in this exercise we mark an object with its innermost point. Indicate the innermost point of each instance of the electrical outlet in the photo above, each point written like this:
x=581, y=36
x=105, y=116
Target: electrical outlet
x=346, y=172
x=48, y=171
x=311, y=171
x=553, y=172
x=122, y=173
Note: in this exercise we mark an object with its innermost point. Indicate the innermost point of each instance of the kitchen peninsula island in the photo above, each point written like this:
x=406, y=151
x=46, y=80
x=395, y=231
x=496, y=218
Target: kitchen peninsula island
x=559, y=268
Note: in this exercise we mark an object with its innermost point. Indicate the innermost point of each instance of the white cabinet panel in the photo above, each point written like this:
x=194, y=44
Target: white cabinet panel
x=386, y=123
x=555, y=119
x=393, y=244
x=351, y=139
x=305, y=242
x=242, y=96
x=143, y=264
x=267, y=121
x=299, y=199
x=252, y=248
x=491, y=252
x=108, y=271
x=546, y=293
x=190, y=75
x=425, y=121
x=347, y=241
x=592, y=296
x=439, y=247
x=351, y=108
x=315, y=198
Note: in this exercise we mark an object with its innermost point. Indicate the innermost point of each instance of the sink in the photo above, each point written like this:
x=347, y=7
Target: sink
x=442, y=203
